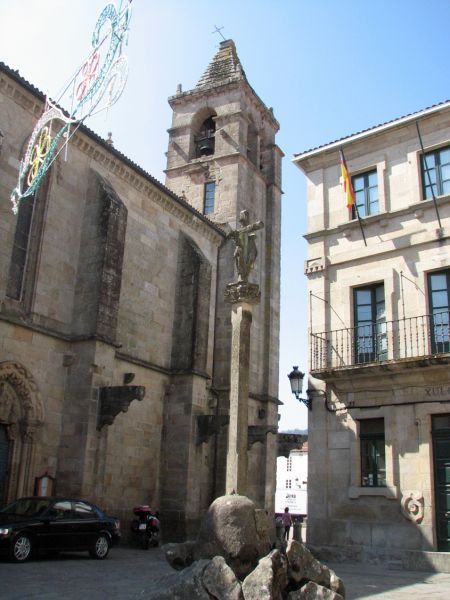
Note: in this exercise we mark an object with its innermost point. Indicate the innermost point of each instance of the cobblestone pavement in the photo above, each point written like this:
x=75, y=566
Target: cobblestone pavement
x=129, y=573
x=124, y=575
x=365, y=581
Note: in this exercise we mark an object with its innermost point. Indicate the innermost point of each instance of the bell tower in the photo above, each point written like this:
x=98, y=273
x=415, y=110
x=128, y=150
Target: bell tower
x=222, y=158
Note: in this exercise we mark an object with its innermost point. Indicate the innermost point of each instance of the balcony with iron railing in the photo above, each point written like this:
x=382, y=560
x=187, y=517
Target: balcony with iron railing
x=405, y=339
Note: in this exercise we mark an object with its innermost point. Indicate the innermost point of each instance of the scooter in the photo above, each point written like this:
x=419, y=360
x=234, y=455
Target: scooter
x=146, y=525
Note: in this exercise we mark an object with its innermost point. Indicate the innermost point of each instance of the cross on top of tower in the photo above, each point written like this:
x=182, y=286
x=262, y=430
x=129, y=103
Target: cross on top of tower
x=219, y=31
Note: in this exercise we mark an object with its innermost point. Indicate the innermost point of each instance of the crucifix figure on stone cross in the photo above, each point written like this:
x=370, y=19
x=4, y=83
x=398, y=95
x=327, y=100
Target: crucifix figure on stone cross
x=245, y=252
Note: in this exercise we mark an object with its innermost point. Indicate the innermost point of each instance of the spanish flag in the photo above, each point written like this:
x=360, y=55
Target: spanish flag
x=348, y=188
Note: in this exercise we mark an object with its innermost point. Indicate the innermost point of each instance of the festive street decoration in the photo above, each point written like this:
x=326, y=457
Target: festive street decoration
x=95, y=87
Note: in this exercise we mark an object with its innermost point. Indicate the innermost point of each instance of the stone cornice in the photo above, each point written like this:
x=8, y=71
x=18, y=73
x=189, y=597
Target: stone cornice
x=253, y=395
x=25, y=96
x=184, y=98
x=72, y=339
x=429, y=235
x=164, y=198
x=311, y=159
x=223, y=158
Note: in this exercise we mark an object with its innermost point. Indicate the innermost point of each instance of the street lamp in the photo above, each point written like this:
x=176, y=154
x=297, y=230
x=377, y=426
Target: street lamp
x=296, y=381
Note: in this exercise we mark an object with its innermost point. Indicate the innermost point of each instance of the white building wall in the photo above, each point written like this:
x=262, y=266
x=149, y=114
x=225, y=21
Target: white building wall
x=292, y=483
x=404, y=245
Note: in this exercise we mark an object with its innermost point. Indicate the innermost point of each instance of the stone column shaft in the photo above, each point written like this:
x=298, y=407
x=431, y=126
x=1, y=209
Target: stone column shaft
x=237, y=461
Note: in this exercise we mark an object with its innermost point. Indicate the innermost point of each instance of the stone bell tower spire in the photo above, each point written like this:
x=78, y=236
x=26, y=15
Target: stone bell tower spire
x=223, y=159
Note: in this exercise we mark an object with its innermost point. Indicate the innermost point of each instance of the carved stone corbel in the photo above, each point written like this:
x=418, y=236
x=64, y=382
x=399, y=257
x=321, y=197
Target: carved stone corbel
x=258, y=433
x=116, y=399
x=208, y=425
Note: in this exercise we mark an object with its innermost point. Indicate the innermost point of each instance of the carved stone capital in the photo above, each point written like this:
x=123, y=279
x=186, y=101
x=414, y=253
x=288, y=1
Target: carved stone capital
x=242, y=291
x=412, y=505
x=116, y=399
x=29, y=433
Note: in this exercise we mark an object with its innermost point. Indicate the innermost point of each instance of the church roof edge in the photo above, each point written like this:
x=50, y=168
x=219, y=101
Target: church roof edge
x=14, y=74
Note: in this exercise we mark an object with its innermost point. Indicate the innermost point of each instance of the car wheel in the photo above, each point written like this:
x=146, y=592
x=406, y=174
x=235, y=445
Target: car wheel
x=21, y=548
x=101, y=547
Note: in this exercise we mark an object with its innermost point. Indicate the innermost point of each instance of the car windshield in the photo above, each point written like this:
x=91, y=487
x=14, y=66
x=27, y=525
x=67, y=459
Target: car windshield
x=27, y=507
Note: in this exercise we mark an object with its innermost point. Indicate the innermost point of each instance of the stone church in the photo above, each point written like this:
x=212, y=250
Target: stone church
x=114, y=331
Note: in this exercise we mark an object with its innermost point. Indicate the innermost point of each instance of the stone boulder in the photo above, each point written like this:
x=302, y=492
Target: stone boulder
x=233, y=528
x=268, y=580
x=203, y=580
x=313, y=591
x=220, y=581
x=180, y=556
x=234, y=545
x=302, y=566
x=230, y=529
x=189, y=584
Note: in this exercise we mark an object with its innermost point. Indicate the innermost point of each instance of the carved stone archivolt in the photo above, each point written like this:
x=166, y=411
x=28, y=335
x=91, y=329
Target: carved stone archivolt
x=22, y=412
x=22, y=383
x=412, y=505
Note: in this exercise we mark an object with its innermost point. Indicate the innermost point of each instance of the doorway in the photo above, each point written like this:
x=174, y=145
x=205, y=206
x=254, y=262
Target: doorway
x=441, y=453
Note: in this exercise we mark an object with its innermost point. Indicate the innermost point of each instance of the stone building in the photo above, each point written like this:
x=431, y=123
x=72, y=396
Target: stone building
x=114, y=332
x=379, y=428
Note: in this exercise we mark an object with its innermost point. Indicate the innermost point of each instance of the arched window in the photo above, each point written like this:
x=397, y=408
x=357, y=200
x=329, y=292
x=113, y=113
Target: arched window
x=205, y=139
x=27, y=238
x=191, y=323
x=20, y=248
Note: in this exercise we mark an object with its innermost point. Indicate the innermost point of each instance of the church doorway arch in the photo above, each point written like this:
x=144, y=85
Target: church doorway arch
x=21, y=415
x=4, y=460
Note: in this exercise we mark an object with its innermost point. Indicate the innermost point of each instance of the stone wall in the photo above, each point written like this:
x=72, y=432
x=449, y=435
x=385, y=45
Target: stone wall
x=104, y=307
x=404, y=244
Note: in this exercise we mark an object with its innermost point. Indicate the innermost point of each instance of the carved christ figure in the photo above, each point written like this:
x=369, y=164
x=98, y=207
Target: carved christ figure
x=245, y=252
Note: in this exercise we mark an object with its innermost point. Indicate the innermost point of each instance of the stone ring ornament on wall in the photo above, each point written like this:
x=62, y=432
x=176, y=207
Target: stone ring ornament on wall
x=96, y=86
x=413, y=505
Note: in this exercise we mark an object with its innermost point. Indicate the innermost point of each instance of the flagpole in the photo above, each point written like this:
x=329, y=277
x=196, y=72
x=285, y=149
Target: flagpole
x=354, y=199
x=428, y=175
x=360, y=222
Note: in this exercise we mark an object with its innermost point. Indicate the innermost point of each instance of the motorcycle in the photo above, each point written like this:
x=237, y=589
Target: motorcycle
x=146, y=526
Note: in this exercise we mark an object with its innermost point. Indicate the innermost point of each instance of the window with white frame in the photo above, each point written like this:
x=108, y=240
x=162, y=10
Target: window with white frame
x=365, y=187
x=436, y=172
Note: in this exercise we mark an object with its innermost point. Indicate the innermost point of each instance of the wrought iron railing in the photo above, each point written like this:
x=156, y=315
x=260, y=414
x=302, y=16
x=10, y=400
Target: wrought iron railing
x=414, y=337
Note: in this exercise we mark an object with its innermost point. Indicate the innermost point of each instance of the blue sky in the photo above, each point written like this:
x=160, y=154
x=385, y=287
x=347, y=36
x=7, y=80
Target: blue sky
x=328, y=68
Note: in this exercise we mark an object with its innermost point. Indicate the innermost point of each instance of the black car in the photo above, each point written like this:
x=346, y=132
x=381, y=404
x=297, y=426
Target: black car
x=33, y=524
